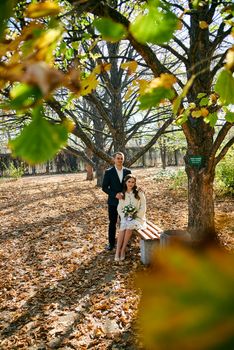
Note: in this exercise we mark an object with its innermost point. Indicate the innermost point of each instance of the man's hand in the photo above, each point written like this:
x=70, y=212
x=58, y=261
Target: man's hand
x=119, y=195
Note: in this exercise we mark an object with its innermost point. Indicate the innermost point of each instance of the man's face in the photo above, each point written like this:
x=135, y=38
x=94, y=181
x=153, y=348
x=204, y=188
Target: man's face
x=119, y=160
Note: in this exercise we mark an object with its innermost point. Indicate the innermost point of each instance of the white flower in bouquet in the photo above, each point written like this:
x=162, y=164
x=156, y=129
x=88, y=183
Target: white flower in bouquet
x=129, y=212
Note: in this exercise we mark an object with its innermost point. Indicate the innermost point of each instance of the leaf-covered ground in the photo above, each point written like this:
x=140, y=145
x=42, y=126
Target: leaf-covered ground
x=59, y=288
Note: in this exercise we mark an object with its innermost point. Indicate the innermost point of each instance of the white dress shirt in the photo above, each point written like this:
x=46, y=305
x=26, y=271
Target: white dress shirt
x=120, y=174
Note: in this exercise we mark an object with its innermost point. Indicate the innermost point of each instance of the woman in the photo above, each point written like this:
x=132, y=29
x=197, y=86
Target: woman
x=131, y=209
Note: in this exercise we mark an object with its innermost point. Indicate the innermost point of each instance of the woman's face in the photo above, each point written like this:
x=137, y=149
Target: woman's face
x=130, y=183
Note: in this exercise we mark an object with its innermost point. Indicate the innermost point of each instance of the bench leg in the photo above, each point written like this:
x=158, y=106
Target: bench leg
x=146, y=248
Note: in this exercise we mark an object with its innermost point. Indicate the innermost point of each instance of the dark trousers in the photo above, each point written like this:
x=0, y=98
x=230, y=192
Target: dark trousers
x=113, y=216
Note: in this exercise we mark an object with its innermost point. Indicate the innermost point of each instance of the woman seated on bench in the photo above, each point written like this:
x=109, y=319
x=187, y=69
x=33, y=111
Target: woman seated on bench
x=131, y=209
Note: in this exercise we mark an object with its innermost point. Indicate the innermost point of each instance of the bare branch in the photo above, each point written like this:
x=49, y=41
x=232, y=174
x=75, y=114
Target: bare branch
x=150, y=143
x=224, y=150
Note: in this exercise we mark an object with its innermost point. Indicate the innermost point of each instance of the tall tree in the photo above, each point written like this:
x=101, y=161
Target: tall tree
x=202, y=52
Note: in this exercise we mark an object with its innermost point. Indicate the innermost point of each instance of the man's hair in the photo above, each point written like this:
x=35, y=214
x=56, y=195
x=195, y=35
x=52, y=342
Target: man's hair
x=118, y=153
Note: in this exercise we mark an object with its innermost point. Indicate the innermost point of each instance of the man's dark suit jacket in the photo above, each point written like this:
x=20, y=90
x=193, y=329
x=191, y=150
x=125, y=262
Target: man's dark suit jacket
x=112, y=185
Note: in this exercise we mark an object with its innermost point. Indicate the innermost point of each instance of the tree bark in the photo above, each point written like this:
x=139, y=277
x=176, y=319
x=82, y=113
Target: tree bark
x=100, y=169
x=88, y=167
x=200, y=205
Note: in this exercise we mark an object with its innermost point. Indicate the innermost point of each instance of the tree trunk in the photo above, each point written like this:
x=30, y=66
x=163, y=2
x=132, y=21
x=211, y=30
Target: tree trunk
x=200, y=204
x=163, y=155
x=89, y=172
x=199, y=136
x=88, y=167
x=176, y=157
x=100, y=169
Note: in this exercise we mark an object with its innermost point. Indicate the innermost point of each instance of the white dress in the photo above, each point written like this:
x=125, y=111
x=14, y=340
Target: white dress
x=140, y=204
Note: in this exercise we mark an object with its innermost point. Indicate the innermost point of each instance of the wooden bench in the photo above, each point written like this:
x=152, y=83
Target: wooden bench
x=150, y=239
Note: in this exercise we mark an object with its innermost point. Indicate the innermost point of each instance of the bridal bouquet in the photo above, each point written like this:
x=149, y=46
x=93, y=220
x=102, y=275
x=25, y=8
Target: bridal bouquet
x=129, y=212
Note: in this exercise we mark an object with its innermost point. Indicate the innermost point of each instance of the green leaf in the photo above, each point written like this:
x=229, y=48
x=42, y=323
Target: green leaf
x=225, y=87
x=156, y=27
x=6, y=9
x=24, y=96
x=229, y=117
x=211, y=119
x=69, y=53
x=63, y=47
x=204, y=101
x=110, y=30
x=39, y=141
x=181, y=119
x=178, y=100
x=153, y=98
x=201, y=94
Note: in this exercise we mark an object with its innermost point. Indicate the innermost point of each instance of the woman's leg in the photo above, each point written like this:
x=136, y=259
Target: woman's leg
x=120, y=241
x=127, y=236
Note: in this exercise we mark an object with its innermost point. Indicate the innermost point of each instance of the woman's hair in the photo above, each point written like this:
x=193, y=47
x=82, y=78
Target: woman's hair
x=134, y=189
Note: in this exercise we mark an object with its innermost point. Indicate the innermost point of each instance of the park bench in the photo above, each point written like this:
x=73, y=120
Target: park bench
x=149, y=240
x=153, y=237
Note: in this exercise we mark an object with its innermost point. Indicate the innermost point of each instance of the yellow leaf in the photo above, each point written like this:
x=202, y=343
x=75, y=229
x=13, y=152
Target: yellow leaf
x=165, y=80
x=230, y=59
x=49, y=37
x=97, y=69
x=178, y=100
x=15, y=58
x=3, y=49
x=43, y=9
x=213, y=98
x=12, y=72
x=143, y=85
x=88, y=85
x=196, y=114
x=180, y=23
x=192, y=105
x=203, y=24
x=232, y=33
x=131, y=66
x=69, y=124
x=128, y=93
x=105, y=67
x=204, y=112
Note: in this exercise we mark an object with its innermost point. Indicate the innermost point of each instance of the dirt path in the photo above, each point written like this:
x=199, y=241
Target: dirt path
x=59, y=289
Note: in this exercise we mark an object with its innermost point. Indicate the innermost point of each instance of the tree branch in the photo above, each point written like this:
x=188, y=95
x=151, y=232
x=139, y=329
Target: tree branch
x=78, y=131
x=80, y=154
x=150, y=143
x=224, y=150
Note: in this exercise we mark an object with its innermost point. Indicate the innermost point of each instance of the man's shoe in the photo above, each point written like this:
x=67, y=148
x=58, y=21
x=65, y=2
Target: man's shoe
x=109, y=247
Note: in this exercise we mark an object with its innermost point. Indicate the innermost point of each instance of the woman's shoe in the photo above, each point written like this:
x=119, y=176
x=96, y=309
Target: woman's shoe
x=116, y=258
x=122, y=257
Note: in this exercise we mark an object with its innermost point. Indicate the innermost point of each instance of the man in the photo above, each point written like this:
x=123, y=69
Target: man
x=113, y=185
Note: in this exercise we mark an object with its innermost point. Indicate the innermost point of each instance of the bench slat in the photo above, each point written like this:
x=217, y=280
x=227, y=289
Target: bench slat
x=155, y=232
x=143, y=234
x=155, y=226
x=151, y=232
